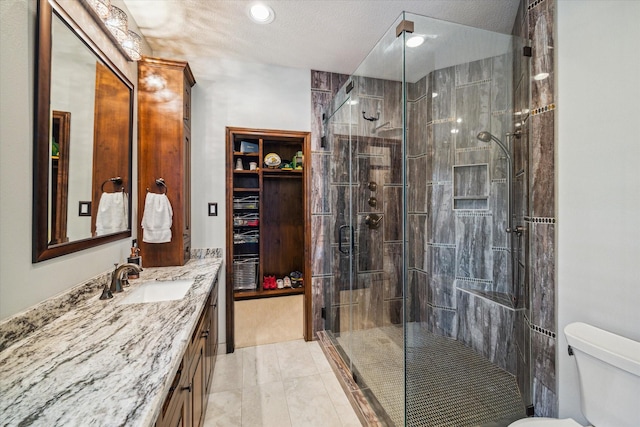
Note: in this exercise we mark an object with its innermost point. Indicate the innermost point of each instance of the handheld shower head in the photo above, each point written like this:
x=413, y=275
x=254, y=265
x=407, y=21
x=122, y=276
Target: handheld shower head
x=484, y=136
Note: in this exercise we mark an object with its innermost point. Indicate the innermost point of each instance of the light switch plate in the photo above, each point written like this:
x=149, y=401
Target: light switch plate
x=213, y=209
x=84, y=208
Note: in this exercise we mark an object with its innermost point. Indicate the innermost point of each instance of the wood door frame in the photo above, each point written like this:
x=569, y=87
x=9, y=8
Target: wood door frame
x=261, y=134
x=61, y=128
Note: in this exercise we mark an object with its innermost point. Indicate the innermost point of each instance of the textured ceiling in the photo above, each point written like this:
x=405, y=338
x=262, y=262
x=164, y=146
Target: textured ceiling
x=328, y=35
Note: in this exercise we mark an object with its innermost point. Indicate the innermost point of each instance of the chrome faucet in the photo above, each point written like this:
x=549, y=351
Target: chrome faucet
x=117, y=280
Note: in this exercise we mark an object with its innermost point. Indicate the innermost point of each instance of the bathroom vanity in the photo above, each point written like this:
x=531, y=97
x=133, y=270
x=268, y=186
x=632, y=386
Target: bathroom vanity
x=115, y=361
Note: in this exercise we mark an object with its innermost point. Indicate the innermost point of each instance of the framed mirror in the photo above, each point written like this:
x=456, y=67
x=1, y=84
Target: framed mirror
x=82, y=141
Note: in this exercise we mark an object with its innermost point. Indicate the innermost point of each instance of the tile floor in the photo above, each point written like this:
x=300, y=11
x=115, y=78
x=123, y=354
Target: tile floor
x=283, y=384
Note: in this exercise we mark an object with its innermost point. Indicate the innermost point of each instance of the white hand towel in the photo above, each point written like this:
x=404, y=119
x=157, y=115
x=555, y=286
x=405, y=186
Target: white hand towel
x=157, y=219
x=113, y=213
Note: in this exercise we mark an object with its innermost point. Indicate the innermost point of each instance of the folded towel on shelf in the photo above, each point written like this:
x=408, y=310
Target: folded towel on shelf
x=157, y=219
x=113, y=213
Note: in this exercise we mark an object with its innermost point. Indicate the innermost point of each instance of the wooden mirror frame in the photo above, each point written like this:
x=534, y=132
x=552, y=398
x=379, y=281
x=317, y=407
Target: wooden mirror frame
x=41, y=249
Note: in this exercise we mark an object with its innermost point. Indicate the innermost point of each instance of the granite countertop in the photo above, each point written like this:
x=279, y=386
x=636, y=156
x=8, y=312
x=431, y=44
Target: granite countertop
x=102, y=363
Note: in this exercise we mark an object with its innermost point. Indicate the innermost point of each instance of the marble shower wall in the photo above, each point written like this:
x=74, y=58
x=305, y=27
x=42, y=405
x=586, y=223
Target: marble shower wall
x=459, y=255
x=324, y=87
x=536, y=20
x=377, y=300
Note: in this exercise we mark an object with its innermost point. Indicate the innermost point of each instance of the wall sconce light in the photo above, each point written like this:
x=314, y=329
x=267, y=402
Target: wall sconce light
x=118, y=23
x=101, y=7
x=115, y=20
x=132, y=46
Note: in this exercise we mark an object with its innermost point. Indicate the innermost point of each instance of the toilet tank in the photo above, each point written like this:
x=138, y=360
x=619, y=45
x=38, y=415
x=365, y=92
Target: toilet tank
x=609, y=372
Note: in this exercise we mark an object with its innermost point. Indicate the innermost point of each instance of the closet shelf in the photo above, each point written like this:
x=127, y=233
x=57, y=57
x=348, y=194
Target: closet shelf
x=240, y=295
x=240, y=153
x=246, y=190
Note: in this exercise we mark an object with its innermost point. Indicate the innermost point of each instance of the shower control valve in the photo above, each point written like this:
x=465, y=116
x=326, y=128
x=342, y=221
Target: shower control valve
x=373, y=221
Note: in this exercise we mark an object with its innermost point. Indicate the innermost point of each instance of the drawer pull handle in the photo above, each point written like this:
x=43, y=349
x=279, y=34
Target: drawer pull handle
x=187, y=388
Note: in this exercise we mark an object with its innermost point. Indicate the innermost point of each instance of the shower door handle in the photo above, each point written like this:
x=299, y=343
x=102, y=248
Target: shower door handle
x=341, y=239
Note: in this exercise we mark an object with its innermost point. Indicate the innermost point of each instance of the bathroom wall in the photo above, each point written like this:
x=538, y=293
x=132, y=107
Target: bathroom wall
x=598, y=179
x=23, y=284
x=238, y=94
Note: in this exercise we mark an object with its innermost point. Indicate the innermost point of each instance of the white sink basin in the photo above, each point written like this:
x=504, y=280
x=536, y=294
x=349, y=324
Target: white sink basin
x=158, y=290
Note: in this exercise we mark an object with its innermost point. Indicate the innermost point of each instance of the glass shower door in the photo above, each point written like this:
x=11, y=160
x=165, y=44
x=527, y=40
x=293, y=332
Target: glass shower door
x=338, y=296
x=365, y=138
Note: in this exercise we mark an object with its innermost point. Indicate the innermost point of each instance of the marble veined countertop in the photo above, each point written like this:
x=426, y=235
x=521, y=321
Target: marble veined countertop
x=101, y=363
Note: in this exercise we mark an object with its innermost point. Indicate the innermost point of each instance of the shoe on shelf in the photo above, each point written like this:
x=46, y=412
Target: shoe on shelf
x=269, y=282
x=296, y=279
x=280, y=283
x=287, y=282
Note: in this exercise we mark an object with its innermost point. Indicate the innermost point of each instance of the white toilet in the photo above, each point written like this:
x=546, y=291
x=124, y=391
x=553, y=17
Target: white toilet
x=609, y=372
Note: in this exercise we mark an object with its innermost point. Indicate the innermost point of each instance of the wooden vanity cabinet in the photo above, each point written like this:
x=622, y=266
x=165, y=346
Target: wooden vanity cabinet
x=195, y=387
x=174, y=409
x=164, y=151
x=186, y=404
x=211, y=341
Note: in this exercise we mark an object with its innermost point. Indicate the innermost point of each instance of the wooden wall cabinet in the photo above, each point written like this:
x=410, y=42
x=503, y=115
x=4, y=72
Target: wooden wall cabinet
x=164, y=151
x=268, y=219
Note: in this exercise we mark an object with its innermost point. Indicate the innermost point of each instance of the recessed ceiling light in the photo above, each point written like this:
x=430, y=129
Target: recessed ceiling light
x=261, y=13
x=434, y=94
x=541, y=76
x=415, y=41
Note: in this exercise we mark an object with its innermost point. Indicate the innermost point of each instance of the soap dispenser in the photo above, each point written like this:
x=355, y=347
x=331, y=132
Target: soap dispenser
x=134, y=258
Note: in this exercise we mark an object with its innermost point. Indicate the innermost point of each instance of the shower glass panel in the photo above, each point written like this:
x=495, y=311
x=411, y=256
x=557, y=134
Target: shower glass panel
x=428, y=302
x=338, y=130
x=464, y=345
x=366, y=140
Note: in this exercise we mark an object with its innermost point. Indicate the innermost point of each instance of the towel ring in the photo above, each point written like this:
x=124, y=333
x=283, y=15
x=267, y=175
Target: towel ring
x=116, y=180
x=160, y=183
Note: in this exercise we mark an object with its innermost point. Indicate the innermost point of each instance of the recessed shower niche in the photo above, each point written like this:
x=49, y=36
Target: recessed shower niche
x=471, y=187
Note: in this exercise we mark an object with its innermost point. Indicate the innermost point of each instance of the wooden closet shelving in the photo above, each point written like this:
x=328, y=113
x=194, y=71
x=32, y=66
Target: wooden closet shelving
x=271, y=207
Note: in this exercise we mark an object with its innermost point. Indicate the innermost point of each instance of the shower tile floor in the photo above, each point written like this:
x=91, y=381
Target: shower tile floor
x=448, y=384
